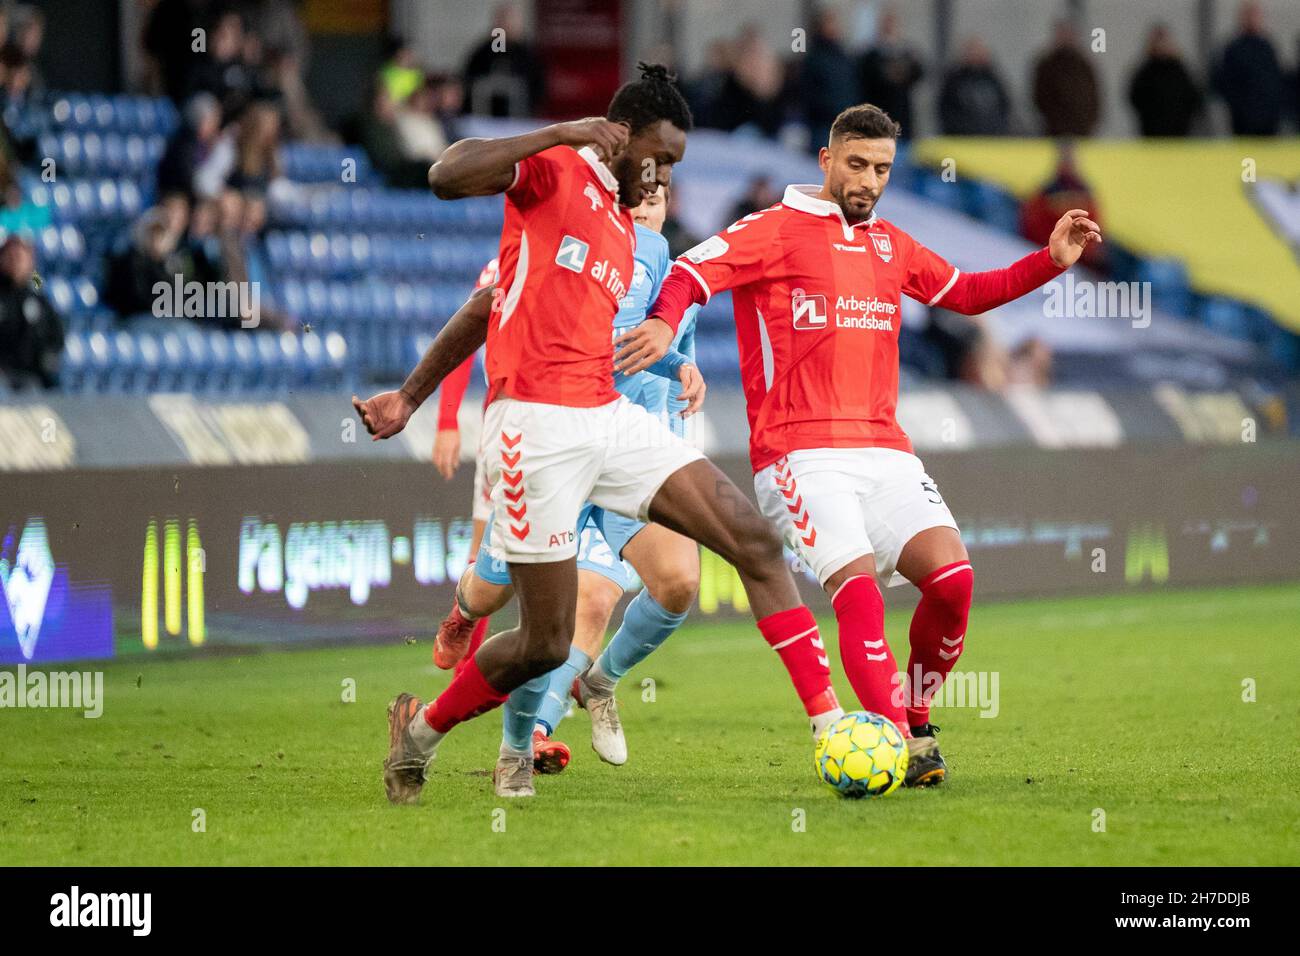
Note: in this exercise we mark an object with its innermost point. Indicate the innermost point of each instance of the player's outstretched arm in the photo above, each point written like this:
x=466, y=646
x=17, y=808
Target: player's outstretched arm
x=387, y=413
x=485, y=167
x=975, y=292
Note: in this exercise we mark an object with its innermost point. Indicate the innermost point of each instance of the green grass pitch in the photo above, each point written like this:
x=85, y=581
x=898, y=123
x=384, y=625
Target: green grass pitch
x=1132, y=705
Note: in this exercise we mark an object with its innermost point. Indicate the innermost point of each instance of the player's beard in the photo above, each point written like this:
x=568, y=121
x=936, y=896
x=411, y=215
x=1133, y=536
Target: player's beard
x=852, y=214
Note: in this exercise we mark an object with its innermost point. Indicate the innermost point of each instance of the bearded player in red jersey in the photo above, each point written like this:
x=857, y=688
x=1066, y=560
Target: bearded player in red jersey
x=558, y=432
x=816, y=282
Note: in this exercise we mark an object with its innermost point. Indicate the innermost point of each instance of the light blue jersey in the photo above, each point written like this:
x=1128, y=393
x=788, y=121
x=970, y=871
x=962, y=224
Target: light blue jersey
x=656, y=389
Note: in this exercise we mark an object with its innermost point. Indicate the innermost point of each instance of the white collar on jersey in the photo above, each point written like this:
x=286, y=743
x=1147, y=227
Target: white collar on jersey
x=602, y=171
x=804, y=199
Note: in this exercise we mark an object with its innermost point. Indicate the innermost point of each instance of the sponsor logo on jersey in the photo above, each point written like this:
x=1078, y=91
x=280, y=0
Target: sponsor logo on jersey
x=609, y=276
x=807, y=311
x=884, y=248
x=854, y=313
x=844, y=248
x=572, y=254
x=593, y=196
x=638, y=275
x=710, y=248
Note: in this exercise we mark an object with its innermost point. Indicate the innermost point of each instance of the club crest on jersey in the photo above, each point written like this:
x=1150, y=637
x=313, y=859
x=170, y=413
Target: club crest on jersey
x=572, y=254
x=593, y=196
x=807, y=311
x=884, y=248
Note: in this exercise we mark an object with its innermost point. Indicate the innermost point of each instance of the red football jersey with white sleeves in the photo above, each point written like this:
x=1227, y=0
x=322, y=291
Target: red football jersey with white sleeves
x=566, y=260
x=817, y=307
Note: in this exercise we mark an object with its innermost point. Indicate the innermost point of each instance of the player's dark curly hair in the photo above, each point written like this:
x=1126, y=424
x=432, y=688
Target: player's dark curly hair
x=645, y=101
x=865, y=121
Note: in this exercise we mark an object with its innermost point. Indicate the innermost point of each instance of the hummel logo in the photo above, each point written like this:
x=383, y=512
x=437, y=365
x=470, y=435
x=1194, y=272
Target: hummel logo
x=593, y=196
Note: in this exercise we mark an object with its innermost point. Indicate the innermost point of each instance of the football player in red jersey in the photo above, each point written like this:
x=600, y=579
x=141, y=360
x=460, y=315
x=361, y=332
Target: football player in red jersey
x=558, y=432
x=816, y=282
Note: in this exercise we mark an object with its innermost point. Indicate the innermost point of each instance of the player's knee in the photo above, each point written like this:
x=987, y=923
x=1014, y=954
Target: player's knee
x=595, y=608
x=545, y=647
x=675, y=591
x=951, y=596
x=761, y=552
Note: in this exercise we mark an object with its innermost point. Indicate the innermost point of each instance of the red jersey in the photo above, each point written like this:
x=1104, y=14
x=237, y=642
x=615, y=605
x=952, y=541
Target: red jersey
x=817, y=309
x=566, y=261
x=452, y=392
x=817, y=320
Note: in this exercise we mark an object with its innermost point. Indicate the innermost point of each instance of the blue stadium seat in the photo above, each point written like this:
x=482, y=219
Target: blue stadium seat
x=1170, y=289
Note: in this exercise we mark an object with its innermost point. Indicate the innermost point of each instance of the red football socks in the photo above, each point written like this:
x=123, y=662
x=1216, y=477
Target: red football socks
x=468, y=695
x=475, y=641
x=793, y=635
x=868, y=661
x=938, y=635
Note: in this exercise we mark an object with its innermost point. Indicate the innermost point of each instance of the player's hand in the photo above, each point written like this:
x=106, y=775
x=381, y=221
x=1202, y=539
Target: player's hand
x=607, y=138
x=385, y=414
x=693, y=389
x=446, y=452
x=639, y=348
x=1071, y=236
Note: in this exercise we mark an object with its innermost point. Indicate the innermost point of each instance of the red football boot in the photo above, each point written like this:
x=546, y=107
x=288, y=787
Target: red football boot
x=549, y=756
x=453, y=640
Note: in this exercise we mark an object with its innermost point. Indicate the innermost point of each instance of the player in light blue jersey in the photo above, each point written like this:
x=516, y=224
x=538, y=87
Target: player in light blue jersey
x=666, y=562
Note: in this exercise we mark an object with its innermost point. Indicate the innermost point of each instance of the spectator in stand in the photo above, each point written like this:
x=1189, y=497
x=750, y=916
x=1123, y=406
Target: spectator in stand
x=400, y=75
x=1067, y=92
x=751, y=92
x=1165, y=97
x=679, y=237
x=759, y=195
x=503, y=76
x=31, y=332
x=282, y=77
x=17, y=214
x=379, y=135
x=448, y=104
x=191, y=145
x=16, y=73
x=152, y=257
x=1065, y=191
x=277, y=24
x=246, y=156
x=974, y=100
x=969, y=352
x=222, y=70
x=702, y=93
x=1031, y=363
x=419, y=134
x=890, y=70
x=168, y=39
x=26, y=34
x=1249, y=77
x=829, y=77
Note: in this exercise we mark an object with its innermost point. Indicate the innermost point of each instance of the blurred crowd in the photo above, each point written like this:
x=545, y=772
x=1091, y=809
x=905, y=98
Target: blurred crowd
x=236, y=71
x=744, y=84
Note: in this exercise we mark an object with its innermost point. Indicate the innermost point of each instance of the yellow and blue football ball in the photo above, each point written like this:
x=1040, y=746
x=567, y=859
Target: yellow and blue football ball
x=862, y=755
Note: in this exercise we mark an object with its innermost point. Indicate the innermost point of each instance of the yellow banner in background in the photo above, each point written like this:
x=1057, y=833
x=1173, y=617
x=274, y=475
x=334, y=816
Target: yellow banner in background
x=1186, y=199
